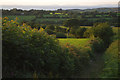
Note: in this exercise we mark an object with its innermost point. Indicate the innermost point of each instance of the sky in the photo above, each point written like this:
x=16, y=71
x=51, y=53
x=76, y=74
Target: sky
x=58, y=3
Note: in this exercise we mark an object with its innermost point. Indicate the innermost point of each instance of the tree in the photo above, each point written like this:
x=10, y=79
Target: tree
x=51, y=27
x=72, y=23
x=88, y=33
x=103, y=31
x=80, y=32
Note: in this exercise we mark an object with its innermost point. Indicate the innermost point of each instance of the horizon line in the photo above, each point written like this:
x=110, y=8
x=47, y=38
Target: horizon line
x=54, y=7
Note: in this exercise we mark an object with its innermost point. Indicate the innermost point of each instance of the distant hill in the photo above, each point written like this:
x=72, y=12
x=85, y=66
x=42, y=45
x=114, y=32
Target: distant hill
x=95, y=9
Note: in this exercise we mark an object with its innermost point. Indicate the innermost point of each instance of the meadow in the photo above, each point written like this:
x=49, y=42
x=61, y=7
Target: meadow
x=76, y=42
x=59, y=18
x=21, y=18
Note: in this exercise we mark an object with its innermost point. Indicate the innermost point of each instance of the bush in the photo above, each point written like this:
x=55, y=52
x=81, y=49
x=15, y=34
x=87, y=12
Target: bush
x=60, y=29
x=49, y=31
x=60, y=35
x=80, y=58
x=88, y=33
x=103, y=31
x=27, y=50
x=97, y=45
x=43, y=26
x=80, y=32
x=51, y=27
x=73, y=31
x=29, y=53
x=71, y=36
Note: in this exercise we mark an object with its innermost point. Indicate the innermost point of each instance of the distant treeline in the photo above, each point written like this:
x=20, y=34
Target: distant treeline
x=87, y=17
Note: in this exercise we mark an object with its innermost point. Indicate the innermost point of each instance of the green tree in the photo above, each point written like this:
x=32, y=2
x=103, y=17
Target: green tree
x=88, y=33
x=51, y=27
x=80, y=32
x=103, y=31
x=72, y=23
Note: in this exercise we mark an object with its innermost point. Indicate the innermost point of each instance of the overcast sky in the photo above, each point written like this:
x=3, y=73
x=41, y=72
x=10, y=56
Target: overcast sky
x=72, y=3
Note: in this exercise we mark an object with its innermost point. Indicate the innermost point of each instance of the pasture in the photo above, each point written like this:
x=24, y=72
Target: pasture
x=75, y=42
x=21, y=18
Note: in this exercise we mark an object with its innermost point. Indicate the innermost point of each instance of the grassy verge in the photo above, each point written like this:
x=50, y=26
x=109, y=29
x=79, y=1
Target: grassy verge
x=110, y=69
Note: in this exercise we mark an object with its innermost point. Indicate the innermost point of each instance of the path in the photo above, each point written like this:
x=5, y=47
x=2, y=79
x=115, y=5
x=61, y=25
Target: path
x=95, y=68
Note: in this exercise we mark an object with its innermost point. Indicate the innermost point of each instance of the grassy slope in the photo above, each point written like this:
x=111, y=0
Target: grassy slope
x=111, y=61
x=116, y=30
x=74, y=41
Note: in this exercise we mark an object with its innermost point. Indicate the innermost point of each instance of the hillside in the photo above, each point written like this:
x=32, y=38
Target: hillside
x=95, y=9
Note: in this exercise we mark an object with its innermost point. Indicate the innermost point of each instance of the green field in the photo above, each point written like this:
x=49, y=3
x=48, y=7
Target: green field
x=30, y=18
x=21, y=18
x=75, y=42
x=115, y=29
x=53, y=19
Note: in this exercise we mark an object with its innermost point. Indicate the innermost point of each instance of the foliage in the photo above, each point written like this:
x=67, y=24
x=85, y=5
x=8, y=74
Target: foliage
x=72, y=23
x=58, y=17
x=51, y=27
x=116, y=31
x=97, y=45
x=88, y=33
x=70, y=36
x=60, y=29
x=60, y=35
x=49, y=31
x=80, y=32
x=43, y=26
x=73, y=31
x=32, y=53
x=103, y=31
x=26, y=50
x=111, y=67
x=81, y=57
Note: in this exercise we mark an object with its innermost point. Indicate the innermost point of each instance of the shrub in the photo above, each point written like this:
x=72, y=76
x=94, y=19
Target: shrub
x=60, y=35
x=103, y=31
x=71, y=36
x=49, y=31
x=97, y=45
x=43, y=26
x=51, y=27
x=80, y=58
x=60, y=29
x=73, y=31
x=88, y=33
x=26, y=50
x=80, y=32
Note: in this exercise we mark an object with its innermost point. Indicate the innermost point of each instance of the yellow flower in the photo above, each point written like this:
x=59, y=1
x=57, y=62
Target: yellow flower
x=5, y=17
x=41, y=29
x=11, y=20
x=24, y=24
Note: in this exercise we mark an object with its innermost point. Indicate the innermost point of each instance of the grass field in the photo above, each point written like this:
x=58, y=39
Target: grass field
x=29, y=18
x=21, y=18
x=73, y=41
x=111, y=61
x=53, y=19
x=115, y=29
